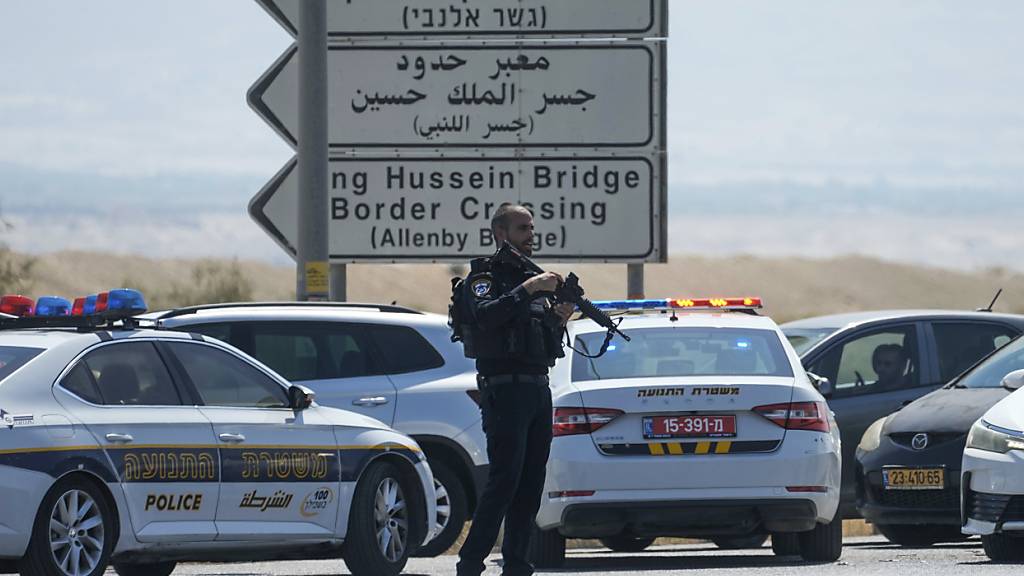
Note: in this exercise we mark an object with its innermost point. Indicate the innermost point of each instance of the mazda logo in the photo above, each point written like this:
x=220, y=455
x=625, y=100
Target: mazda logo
x=920, y=441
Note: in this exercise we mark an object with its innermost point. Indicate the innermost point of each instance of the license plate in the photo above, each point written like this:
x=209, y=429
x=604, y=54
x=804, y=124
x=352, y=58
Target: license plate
x=689, y=427
x=914, y=478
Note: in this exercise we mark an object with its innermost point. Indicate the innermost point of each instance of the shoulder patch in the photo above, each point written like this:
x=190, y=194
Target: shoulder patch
x=482, y=286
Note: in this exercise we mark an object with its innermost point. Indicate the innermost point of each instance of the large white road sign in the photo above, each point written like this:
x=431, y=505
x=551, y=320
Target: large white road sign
x=405, y=19
x=384, y=209
x=607, y=95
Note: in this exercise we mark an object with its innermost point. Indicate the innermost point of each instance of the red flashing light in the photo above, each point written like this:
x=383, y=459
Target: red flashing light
x=78, y=308
x=101, y=302
x=16, y=305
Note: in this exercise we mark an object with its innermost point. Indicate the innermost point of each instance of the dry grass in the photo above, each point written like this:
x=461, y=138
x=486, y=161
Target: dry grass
x=792, y=288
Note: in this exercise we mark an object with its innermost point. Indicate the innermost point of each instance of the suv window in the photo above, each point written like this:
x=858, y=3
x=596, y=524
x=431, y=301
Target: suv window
x=878, y=361
x=960, y=344
x=221, y=332
x=403, y=349
x=127, y=374
x=224, y=380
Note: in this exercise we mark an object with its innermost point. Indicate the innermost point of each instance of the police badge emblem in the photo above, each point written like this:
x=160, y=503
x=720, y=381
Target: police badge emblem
x=481, y=287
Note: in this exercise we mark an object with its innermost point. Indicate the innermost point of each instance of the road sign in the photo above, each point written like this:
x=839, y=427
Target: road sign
x=420, y=209
x=593, y=95
x=406, y=19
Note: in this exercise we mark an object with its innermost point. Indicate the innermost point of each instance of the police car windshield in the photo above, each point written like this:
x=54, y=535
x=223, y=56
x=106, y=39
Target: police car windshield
x=803, y=339
x=657, y=352
x=990, y=373
x=14, y=357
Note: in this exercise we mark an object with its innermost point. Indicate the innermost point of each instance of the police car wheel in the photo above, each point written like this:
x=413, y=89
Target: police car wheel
x=452, y=510
x=740, y=542
x=1003, y=548
x=144, y=569
x=824, y=543
x=786, y=544
x=378, y=540
x=626, y=543
x=73, y=533
x=547, y=548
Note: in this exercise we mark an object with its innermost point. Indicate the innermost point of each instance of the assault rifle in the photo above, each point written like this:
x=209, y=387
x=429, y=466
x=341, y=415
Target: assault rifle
x=569, y=291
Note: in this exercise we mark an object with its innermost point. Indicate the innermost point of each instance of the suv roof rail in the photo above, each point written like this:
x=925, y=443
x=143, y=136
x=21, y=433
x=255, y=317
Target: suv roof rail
x=390, y=308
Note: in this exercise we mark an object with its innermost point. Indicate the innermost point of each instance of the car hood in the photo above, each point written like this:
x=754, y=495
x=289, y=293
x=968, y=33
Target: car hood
x=1007, y=413
x=944, y=410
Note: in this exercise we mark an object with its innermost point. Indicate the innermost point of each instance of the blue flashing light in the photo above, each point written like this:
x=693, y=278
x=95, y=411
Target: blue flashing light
x=744, y=344
x=632, y=304
x=125, y=302
x=611, y=347
x=53, y=306
x=90, y=305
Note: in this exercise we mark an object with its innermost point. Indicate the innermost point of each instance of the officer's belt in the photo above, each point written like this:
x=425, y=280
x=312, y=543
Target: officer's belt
x=502, y=379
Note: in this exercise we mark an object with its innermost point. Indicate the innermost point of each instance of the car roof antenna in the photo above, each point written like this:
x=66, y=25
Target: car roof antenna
x=993, y=303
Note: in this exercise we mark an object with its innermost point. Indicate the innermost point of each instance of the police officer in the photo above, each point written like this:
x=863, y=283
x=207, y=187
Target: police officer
x=515, y=336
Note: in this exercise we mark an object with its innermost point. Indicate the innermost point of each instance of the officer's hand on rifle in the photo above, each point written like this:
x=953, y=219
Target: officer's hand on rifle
x=546, y=282
x=564, y=311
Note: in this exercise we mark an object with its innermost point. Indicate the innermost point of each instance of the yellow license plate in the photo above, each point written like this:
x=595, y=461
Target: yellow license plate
x=914, y=478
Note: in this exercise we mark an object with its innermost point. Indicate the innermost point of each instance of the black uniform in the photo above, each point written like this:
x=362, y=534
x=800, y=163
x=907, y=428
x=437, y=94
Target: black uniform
x=515, y=339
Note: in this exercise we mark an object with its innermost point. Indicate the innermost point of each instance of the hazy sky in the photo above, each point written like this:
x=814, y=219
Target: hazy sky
x=910, y=91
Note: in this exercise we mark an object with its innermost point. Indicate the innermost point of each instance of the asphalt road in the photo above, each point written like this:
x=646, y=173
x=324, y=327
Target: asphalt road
x=861, y=557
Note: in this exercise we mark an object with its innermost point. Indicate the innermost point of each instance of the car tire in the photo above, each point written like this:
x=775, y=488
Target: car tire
x=786, y=543
x=451, y=494
x=824, y=543
x=626, y=543
x=365, y=554
x=78, y=503
x=741, y=542
x=919, y=536
x=145, y=569
x=1003, y=548
x=547, y=548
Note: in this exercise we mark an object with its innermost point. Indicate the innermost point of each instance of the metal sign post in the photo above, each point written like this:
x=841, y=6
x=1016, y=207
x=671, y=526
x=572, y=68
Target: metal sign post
x=312, y=282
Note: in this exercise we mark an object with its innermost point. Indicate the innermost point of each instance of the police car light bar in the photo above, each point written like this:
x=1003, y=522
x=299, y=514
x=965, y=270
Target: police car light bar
x=748, y=303
x=88, y=312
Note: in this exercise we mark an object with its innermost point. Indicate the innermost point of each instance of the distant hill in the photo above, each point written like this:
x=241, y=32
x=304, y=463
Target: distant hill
x=792, y=287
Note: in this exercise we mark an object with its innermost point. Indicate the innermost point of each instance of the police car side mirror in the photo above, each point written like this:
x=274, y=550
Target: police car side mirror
x=824, y=385
x=1014, y=380
x=300, y=397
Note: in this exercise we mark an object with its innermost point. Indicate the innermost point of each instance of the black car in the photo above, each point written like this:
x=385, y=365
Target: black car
x=908, y=464
x=877, y=362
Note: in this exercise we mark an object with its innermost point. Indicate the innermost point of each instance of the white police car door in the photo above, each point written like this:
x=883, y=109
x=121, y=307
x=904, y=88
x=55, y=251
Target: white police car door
x=162, y=446
x=280, y=468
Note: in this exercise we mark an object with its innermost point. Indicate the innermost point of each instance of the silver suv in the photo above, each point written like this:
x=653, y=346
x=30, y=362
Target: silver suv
x=394, y=364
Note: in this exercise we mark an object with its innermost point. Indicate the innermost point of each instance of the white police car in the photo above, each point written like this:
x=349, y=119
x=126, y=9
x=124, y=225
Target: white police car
x=704, y=424
x=142, y=447
x=993, y=475
x=388, y=362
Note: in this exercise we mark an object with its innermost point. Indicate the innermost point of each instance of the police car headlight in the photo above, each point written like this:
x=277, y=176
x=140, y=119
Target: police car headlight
x=872, y=437
x=984, y=436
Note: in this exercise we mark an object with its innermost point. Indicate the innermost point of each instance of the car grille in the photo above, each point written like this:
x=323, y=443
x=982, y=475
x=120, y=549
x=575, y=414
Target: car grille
x=947, y=498
x=996, y=507
x=905, y=439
